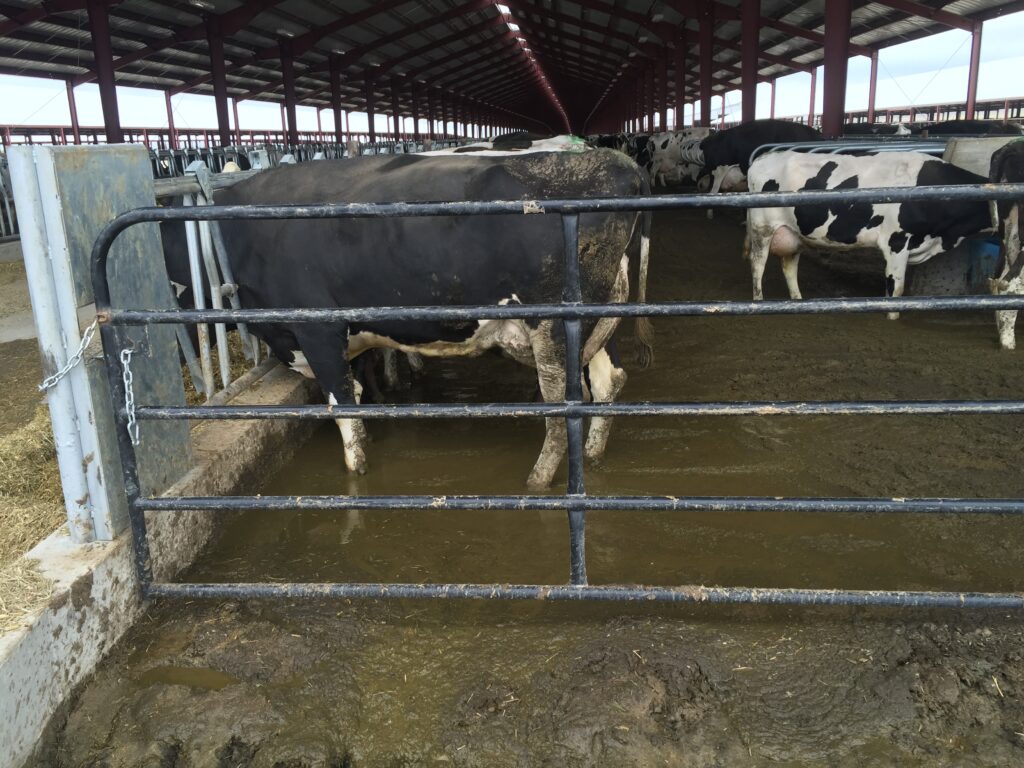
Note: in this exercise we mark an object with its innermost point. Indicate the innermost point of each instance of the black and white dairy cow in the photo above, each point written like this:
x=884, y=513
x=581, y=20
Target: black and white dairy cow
x=671, y=159
x=725, y=155
x=1008, y=167
x=418, y=261
x=905, y=233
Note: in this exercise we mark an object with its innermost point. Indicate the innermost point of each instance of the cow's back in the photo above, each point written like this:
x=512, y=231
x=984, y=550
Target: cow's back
x=427, y=260
x=735, y=145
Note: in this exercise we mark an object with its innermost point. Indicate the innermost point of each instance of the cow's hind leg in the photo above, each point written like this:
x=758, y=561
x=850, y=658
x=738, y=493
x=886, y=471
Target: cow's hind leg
x=549, y=356
x=756, y=247
x=790, y=262
x=607, y=378
x=895, y=277
x=326, y=350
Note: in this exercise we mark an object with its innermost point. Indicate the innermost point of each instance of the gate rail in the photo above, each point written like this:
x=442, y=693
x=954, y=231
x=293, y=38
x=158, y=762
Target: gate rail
x=576, y=502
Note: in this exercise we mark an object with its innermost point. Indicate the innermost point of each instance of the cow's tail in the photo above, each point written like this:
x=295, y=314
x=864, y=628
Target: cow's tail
x=644, y=328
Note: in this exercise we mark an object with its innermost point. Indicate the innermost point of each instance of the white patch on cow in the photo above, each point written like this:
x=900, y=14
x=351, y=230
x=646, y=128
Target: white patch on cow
x=301, y=365
x=178, y=289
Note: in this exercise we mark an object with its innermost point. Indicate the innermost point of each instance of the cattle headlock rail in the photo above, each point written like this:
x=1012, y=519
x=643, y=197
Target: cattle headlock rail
x=576, y=502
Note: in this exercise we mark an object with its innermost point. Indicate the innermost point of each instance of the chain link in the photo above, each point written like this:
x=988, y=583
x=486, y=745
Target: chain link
x=51, y=381
x=129, y=396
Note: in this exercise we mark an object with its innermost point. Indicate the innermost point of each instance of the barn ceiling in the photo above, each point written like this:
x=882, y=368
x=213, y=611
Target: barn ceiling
x=550, y=61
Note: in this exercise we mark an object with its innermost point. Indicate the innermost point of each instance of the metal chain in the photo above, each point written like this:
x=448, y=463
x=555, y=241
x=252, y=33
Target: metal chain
x=129, y=396
x=51, y=381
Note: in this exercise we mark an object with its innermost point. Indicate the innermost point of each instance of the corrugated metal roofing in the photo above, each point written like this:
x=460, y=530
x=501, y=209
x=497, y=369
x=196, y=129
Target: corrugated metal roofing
x=462, y=46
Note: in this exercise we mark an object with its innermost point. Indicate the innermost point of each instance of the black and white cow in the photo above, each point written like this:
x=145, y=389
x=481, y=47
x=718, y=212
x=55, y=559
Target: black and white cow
x=726, y=154
x=907, y=233
x=670, y=161
x=1008, y=167
x=417, y=261
x=971, y=128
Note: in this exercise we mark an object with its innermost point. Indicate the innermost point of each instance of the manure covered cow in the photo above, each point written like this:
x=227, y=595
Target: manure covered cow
x=905, y=233
x=1008, y=167
x=419, y=261
x=726, y=154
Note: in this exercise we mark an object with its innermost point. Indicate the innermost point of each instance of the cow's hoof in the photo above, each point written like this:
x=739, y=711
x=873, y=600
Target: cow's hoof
x=537, y=484
x=593, y=461
x=893, y=315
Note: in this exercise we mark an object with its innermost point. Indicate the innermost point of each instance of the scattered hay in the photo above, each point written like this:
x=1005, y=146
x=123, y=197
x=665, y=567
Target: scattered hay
x=22, y=591
x=238, y=365
x=31, y=502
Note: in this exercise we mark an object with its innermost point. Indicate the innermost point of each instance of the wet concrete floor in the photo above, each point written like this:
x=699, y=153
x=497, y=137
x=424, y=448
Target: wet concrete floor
x=420, y=683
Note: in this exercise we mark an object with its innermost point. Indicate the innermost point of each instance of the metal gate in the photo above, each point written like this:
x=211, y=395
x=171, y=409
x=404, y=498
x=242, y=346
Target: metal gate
x=576, y=502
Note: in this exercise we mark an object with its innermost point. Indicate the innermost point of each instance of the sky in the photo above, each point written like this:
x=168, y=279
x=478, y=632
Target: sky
x=922, y=72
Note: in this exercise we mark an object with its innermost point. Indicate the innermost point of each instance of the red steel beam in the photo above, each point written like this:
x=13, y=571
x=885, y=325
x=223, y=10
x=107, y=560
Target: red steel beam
x=215, y=40
x=872, y=86
x=288, y=71
x=99, y=28
x=837, y=34
x=920, y=9
x=336, y=97
x=39, y=13
x=972, y=77
x=707, y=36
x=750, y=41
x=230, y=23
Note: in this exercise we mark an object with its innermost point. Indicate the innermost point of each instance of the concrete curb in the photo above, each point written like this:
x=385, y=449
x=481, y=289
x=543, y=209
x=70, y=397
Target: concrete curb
x=95, y=598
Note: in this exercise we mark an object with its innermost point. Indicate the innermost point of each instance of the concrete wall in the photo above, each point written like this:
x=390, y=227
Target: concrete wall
x=96, y=599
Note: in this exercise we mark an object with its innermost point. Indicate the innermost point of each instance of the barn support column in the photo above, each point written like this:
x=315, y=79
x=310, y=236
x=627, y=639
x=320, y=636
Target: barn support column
x=650, y=98
x=172, y=134
x=663, y=90
x=73, y=109
x=707, y=38
x=430, y=115
x=414, y=94
x=750, y=43
x=444, y=117
x=99, y=28
x=336, y=98
x=288, y=75
x=680, y=78
x=972, y=76
x=814, y=97
x=215, y=39
x=872, y=87
x=370, y=104
x=238, y=125
x=772, y=112
x=837, y=59
x=395, y=111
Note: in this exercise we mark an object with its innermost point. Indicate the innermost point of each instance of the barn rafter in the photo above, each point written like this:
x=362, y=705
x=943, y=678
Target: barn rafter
x=582, y=64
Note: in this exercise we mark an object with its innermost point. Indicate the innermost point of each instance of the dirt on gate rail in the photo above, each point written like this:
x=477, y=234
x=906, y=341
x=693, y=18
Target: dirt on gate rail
x=486, y=684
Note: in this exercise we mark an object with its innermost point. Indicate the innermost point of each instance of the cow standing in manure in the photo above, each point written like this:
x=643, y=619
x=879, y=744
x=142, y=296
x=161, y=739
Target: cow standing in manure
x=905, y=233
x=419, y=261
